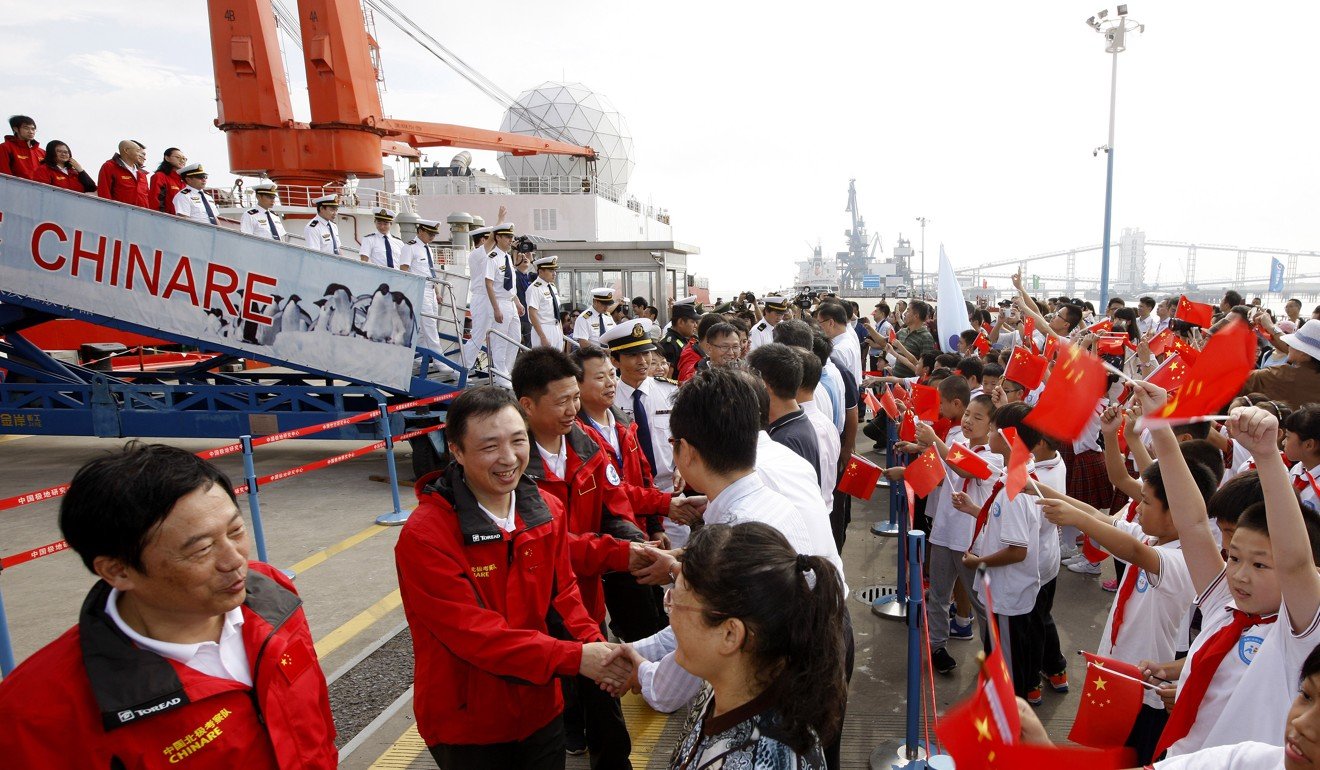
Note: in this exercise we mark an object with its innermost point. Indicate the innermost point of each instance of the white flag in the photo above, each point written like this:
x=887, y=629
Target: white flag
x=951, y=314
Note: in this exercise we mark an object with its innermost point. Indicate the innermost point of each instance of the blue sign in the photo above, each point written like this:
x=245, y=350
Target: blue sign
x=873, y=282
x=1276, y=275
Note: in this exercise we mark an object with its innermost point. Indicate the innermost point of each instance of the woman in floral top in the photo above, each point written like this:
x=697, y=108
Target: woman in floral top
x=764, y=627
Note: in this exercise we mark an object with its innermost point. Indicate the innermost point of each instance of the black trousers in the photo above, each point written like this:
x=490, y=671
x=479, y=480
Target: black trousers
x=839, y=517
x=636, y=611
x=1023, y=655
x=542, y=750
x=589, y=709
x=1045, y=635
x=1145, y=735
x=849, y=658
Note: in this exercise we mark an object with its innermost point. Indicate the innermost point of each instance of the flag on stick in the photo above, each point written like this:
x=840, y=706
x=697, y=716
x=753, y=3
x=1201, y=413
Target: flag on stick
x=1216, y=376
x=951, y=321
x=926, y=402
x=1195, y=313
x=859, y=478
x=1111, y=700
x=1026, y=368
x=1076, y=386
x=888, y=403
x=968, y=462
x=925, y=473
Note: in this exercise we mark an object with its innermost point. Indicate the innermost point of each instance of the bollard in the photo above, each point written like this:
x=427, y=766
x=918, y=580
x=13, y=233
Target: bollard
x=894, y=607
x=254, y=501
x=6, y=645
x=890, y=528
x=398, y=516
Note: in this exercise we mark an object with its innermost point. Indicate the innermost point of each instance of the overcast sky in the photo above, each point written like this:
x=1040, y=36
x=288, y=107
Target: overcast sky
x=749, y=119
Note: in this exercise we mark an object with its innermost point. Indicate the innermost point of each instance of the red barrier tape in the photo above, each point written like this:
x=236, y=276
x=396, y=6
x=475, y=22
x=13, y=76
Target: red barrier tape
x=33, y=497
x=60, y=545
x=422, y=402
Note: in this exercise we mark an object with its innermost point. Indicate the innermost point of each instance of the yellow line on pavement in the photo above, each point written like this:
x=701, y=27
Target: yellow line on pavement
x=645, y=725
x=336, y=638
x=409, y=747
x=11, y=438
x=340, y=547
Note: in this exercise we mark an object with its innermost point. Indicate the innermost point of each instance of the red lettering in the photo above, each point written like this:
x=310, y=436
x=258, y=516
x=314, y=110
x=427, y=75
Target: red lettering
x=182, y=280
x=137, y=263
x=60, y=259
x=97, y=256
x=250, y=295
x=214, y=286
x=114, y=262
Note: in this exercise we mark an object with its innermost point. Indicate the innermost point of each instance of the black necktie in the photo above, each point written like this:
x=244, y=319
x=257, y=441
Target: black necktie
x=389, y=253
x=508, y=273
x=270, y=220
x=601, y=318
x=554, y=302
x=334, y=240
x=643, y=429
x=206, y=204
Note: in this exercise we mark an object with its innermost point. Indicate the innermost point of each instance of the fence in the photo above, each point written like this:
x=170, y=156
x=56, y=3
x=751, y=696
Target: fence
x=251, y=487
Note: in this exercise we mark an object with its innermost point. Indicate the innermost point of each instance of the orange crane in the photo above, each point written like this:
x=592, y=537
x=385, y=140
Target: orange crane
x=347, y=133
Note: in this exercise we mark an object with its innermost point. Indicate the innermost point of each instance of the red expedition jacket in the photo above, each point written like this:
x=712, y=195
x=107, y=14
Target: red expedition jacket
x=161, y=190
x=79, y=182
x=691, y=361
x=18, y=158
x=93, y=699
x=597, y=509
x=117, y=183
x=477, y=601
x=650, y=506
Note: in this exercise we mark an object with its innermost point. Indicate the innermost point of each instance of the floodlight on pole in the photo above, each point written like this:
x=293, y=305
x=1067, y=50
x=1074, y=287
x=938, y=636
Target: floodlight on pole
x=1115, y=33
x=922, y=292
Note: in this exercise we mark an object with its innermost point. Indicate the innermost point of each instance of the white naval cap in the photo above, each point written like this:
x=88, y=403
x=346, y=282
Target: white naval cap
x=503, y=228
x=192, y=169
x=326, y=200
x=480, y=231
x=603, y=292
x=691, y=299
x=264, y=188
x=384, y=215
x=551, y=261
x=631, y=336
x=429, y=225
x=776, y=303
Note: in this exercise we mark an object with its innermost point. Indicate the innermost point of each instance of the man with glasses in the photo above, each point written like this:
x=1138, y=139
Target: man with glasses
x=193, y=202
x=717, y=345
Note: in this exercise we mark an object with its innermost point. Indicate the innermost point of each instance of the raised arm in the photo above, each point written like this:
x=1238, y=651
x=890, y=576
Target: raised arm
x=1114, y=540
x=1115, y=468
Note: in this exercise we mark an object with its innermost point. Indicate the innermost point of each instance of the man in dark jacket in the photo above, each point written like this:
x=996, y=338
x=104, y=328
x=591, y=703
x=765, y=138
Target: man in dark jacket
x=184, y=650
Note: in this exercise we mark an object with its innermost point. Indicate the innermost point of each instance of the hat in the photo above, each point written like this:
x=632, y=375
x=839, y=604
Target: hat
x=632, y=336
x=1305, y=339
x=384, y=215
x=326, y=200
x=429, y=225
x=776, y=303
x=682, y=311
x=503, y=228
x=264, y=188
x=192, y=169
x=688, y=300
x=551, y=262
x=603, y=292
x=480, y=231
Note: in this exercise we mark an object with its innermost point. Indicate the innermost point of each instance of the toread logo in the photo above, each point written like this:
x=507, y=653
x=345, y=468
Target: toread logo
x=128, y=715
x=477, y=537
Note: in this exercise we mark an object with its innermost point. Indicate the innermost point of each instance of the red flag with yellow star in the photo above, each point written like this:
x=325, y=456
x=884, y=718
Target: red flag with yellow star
x=1051, y=348
x=1029, y=334
x=1185, y=349
x=859, y=478
x=888, y=403
x=982, y=343
x=1026, y=368
x=1195, y=313
x=1107, y=325
x=967, y=461
x=1170, y=374
x=1111, y=700
x=925, y=473
x=1216, y=377
x=1160, y=342
x=926, y=402
x=1076, y=386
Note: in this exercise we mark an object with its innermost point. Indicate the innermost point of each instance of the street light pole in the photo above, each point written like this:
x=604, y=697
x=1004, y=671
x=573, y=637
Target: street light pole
x=921, y=294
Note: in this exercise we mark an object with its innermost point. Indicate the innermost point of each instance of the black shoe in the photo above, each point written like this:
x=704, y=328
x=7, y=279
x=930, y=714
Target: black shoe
x=874, y=432
x=575, y=745
x=942, y=661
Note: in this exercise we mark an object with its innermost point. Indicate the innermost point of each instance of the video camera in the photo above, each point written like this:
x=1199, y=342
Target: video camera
x=524, y=245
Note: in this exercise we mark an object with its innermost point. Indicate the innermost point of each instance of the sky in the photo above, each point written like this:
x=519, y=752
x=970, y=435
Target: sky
x=749, y=120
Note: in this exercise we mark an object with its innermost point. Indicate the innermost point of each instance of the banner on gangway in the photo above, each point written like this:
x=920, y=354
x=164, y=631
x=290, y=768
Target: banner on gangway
x=80, y=256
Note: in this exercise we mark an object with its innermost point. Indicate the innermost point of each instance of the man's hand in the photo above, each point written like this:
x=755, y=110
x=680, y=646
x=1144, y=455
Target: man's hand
x=499, y=317
x=907, y=447
x=599, y=665
x=625, y=653
x=363, y=258
x=499, y=219
x=895, y=473
x=518, y=308
x=1017, y=280
x=686, y=510
x=640, y=555
x=1255, y=429
x=1032, y=730
x=1151, y=397
x=971, y=560
x=657, y=568
x=1059, y=513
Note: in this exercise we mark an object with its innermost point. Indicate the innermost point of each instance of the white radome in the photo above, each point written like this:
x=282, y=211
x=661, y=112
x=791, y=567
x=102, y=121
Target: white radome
x=585, y=118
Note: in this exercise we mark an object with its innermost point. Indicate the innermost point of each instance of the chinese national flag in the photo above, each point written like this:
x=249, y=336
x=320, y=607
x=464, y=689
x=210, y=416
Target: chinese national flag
x=901, y=393
x=872, y=403
x=925, y=473
x=1170, y=374
x=888, y=404
x=1051, y=347
x=893, y=338
x=1109, y=346
x=1159, y=342
x=1216, y=376
x=926, y=402
x=1029, y=333
x=1026, y=368
x=907, y=430
x=1184, y=349
x=1100, y=327
x=968, y=461
x=982, y=342
x=1076, y=386
x=1123, y=447
x=1195, y=313
x=859, y=478
x=1016, y=479
x=941, y=428
x=1111, y=700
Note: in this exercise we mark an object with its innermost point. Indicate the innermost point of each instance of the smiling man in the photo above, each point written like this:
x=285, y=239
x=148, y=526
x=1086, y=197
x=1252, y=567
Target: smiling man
x=183, y=650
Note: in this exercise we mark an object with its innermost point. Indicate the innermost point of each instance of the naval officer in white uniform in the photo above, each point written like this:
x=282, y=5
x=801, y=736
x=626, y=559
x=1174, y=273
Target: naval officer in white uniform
x=383, y=247
x=543, y=305
x=193, y=202
x=595, y=320
x=261, y=220
x=764, y=330
x=506, y=309
x=479, y=308
x=417, y=259
x=322, y=234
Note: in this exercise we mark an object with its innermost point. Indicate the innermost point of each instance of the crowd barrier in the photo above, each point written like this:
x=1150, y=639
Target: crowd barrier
x=250, y=487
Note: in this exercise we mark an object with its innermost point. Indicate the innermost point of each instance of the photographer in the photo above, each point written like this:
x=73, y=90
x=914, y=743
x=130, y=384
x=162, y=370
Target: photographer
x=524, y=251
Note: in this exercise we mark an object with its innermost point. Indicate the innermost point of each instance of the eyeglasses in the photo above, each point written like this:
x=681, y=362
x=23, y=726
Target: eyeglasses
x=670, y=604
x=732, y=347
x=1011, y=391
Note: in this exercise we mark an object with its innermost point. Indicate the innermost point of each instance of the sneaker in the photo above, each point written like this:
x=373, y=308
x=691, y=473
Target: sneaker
x=1084, y=568
x=1069, y=554
x=1110, y=585
x=959, y=631
x=1058, y=682
x=575, y=745
x=1074, y=559
x=1034, y=696
x=942, y=661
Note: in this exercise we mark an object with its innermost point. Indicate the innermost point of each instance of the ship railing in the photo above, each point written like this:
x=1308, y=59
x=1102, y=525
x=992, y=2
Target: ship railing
x=301, y=196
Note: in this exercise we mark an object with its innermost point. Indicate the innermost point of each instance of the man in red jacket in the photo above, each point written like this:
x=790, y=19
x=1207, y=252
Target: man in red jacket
x=20, y=154
x=122, y=177
x=483, y=563
x=183, y=649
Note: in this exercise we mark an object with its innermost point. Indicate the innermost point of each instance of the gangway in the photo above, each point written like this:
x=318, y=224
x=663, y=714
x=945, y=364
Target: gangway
x=339, y=334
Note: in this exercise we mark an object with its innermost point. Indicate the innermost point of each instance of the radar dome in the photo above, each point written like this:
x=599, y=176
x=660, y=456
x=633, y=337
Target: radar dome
x=570, y=112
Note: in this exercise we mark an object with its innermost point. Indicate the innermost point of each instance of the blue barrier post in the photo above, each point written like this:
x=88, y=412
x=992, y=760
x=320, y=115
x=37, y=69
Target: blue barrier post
x=398, y=516
x=6, y=646
x=254, y=501
x=916, y=547
x=890, y=528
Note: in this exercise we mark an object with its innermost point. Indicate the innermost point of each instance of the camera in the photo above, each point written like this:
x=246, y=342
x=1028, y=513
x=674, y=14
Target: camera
x=524, y=245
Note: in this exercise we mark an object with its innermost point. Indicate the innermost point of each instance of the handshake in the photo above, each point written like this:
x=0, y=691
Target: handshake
x=612, y=666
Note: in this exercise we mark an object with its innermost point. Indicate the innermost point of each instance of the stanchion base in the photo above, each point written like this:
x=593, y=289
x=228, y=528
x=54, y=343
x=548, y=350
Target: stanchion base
x=290, y=574
x=395, y=519
x=894, y=755
x=885, y=529
x=891, y=607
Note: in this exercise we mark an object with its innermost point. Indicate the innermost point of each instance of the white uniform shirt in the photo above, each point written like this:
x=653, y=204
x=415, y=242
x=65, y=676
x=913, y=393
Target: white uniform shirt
x=588, y=325
x=543, y=296
x=195, y=205
x=498, y=267
x=374, y=249
x=1311, y=477
x=658, y=399
x=258, y=221
x=828, y=449
x=761, y=333
x=476, y=264
x=951, y=528
x=1251, y=755
x=851, y=348
x=226, y=659
x=1054, y=474
x=417, y=256
x=323, y=235
x=1011, y=522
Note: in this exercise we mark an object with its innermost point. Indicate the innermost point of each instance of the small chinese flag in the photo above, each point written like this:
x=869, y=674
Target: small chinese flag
x=1216, y=376
x=1109, y=346
x=1106, y=325
x=941, y=428
x=1051, y=347
x=1170, y=374
x=1019, y=455
x=1195, y=313
x=926, y=402
x=872, y=403
x=968, y=461
x=907, y=430
x=1184, y=349
x=893, y=338
x=1111, y=700
x=859, y=478
x=1068, y=402
x=982, y=343
x=1029, y=334
x=888, y=403
x=1159, y=342
x=901, y=393
x=1026, y=368
x=1122, y=439
x=925, y=473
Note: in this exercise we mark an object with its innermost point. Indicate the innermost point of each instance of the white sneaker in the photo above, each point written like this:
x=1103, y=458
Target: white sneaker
x=1073, y=559
x=1069, y=555
x=1084, y=568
